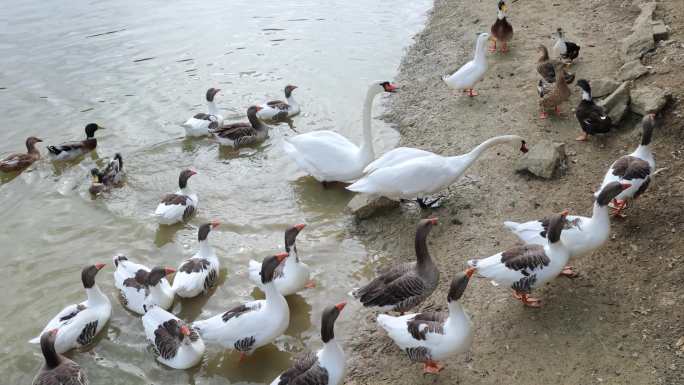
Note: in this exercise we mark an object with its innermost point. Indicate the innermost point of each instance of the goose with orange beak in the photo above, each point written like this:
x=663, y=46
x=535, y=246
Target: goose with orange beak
x=198, y=274
x=139, y=285
x=176, y=344
x=243, y=134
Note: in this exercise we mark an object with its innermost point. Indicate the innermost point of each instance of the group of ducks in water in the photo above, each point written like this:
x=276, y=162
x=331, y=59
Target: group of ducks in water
x=401, y=174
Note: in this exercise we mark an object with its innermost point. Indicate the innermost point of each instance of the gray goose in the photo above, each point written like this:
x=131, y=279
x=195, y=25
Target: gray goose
x=242, y=134
x=406, y=285
x=57, y=369
x=18, y=162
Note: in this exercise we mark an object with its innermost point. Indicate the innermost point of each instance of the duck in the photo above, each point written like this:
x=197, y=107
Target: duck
x=325, y=367
x=278, y=110
x=112, y=175
x=178, y=207
x=405, y=285
x=591, y=117
x=330, y=157
x=19, y=162
x=583, y=235
x=292, y=275
x=78, y=324
x=242, y=134
x=501, y=30
x=72, y=150
x=198, y=274
x=176, y=344
x=524, y=268
x=139, y=286
x=567, y=50
x=201, y=123
x=636, y=168
x=471, y=72
x=57, y=369
x=409, y=173
x=556, y=96
x=430, y=337
x=254, y=324
x=547, y=67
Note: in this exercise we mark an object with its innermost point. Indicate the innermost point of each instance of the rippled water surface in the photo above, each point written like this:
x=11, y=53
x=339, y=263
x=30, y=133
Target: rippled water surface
x=140, y=68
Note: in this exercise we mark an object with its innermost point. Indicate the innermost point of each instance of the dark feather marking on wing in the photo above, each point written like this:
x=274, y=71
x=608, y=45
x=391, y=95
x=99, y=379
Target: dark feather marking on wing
x=175, y=199
x=525, y=284
x=88, y=333
x=194, y=265
x=419, y=354
x=238, y=311
x=305, y=371
x=433, y=321
x=630, y=167
x=79, y=308
x=245, y=344
x=525, y=257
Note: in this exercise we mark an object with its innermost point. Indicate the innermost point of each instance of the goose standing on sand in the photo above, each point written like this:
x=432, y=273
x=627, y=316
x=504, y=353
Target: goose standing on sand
x=325, y=367
x=582, y=235
x=57, y=369
x=254, y=324
x=636, y=168
x=501, y=30
x=200, y=124
x=405, y=285
x=527, y=267
x=180, y=206
x=139, y=286
x=112, y=175
x=556, y=96
x=591, y=117
x=176, y=344
x=78, y=324
x=471, y=72
x=19, y=162
x=430, y=337
x=567, y=50
x=292, y=275
x=330, y=157
x=200, y=273
x=409, y=173
x=242, y=134
x=278, y=110
x=72, y=150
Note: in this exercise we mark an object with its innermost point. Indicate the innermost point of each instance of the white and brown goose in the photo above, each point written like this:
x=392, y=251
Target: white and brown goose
x=405, y=285
x=325, y=367
x=201, y=123
x=176, y=344
x=139, y=286
x=72, y=150
x=243, y=134
x=78, y=324
x=278, y=110
x=198, y=274
x=57, y=369
x=19, y=162
x=178, y=207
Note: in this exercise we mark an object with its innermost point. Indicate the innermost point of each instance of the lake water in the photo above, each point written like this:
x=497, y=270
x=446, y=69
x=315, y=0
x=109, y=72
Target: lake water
x=140, y=68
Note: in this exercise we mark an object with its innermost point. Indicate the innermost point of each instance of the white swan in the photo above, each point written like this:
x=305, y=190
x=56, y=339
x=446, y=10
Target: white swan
x=329, y=156
x=408, y=173
x=471, y=72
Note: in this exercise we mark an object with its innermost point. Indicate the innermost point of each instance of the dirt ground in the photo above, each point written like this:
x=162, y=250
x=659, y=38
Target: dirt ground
x=620, y=321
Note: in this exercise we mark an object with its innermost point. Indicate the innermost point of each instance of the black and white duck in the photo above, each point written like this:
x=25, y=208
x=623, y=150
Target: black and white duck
x=591, y=117
x=72, y=150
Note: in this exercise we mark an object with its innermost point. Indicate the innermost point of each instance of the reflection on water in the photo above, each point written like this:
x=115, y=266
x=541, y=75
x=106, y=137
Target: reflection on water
x=140, y=69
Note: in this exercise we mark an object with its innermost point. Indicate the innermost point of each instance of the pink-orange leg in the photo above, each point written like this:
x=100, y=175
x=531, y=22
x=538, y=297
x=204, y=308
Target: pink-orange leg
x=527, y=300
x=472, y=92
x=492, y=47
x=432, y=367
x=557, y=110
x=543, y=114
x=310, y=285
x=569, y=271
x=617, y=206
x=504, y=47
x=243, y=357
x=583, y=137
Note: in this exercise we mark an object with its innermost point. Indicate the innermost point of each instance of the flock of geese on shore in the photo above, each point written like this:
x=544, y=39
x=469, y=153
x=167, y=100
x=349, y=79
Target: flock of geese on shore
x=401, y=174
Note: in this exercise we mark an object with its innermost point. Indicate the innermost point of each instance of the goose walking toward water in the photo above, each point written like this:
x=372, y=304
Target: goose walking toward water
x=278, y=110
x=243, y=134
x=201, y=123
x=502, y=30
x=200, y=273
x=72, y=150
x=19, y=162
x=176, y=344
x=139, y=286
x=180, y=206
x=471, y=72
x=57, y=369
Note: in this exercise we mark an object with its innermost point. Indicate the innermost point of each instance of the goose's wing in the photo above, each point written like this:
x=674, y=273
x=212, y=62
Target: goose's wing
x=236, y=131
x=630, y=167
x=394, y=157
x=322, y=153
x=305, y=371
x=401, y=289
x=62, y=318
x=424, y=323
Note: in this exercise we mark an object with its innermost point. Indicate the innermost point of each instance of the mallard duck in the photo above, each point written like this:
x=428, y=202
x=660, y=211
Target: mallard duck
x=199, y=273
x=405, y=285
x=200, y=124
x=19, y=162
x=278, y=110
x=567, y=50
x=57, y=369
x=556, y=96
x=636, y=168
x=139, y=286
x=524, y=268
x=180, y=206
x=327, y=366
x=176, y=344
x=238, y=135
x=72, y=150
x=471, y=72
x=501, y=30
x=591, y=117
x=409, y=173
x=430, y=337
x=547, y=67
x=329, y=156
x=78, y=324
x=112, y=175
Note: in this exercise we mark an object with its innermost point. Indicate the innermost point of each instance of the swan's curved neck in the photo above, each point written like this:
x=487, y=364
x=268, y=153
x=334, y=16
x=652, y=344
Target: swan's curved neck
x=213, y=110
x=367, y=153
x=477, y=151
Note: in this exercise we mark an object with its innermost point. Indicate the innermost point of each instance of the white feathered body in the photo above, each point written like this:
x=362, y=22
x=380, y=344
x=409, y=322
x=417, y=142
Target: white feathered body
x=189, y=353
x=642, y=152
x=192, y=284
x=295, y=276
x=171, y=214
x=134, y=299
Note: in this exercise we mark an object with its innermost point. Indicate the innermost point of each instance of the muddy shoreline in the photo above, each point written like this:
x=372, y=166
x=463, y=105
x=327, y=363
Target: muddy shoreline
x=620, y=321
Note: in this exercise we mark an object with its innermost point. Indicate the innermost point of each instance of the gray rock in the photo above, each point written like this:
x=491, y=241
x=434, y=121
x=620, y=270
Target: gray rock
x=364, y=206
x=647, y=99
x=616, y=103
x=660, y=31
x=632, y=70
x=545, y=159
x=603, y=87
x=645, y=18
x=641, y=40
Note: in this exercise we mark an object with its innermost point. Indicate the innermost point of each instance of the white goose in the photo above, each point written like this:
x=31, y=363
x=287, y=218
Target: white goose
x=430, y=337
x=180, y=206
x=584, y=234
x=471, y=72
x=325, y=367
x=139, y=286
x=200, y=124
x=292, y=275
x=526, y=267
x=198, y=274
x=175, y=343
x=78, y=324
x=254, y=324
x=329, y=156
x=409, y=173
x=277, y=110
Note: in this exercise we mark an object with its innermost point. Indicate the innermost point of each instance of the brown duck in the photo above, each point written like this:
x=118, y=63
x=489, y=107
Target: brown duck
x=556, y=96
x=242, y=134
x=546, y=67
x=501, y=30
x=19, y=162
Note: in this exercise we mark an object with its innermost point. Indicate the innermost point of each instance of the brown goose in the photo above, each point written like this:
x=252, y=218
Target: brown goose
x=72, y=150
x=556, y=96
x=406, y=285
x=242, y=134
x=546, y=67
x=501, y=30
x=57, y=369
x=18, y=162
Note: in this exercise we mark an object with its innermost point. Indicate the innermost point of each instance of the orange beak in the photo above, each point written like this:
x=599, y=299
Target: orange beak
x=281, y=256
x=625, y=186
x=433, y=220
x=99, y=266
x=215, y=224
x=185, y=330
x=565, y=212
x=300, y=226
x=470, y=271
x=341, y=306
x=169, y=270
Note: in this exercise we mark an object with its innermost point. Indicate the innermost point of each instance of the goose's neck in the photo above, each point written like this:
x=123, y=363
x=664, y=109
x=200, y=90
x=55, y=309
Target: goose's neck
x=643, y=151
x=422, y=254
x=600, y=215
x=273, y=296
x=157, y=292
x=213, y=110
x=255, y=122
x=558, y=247
x=291, y=101
x=185, y=191
x=456, y=313
x=96, y=296
x=52, y=358
x=367, y=153
x=205, y=249
x=331, y=352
